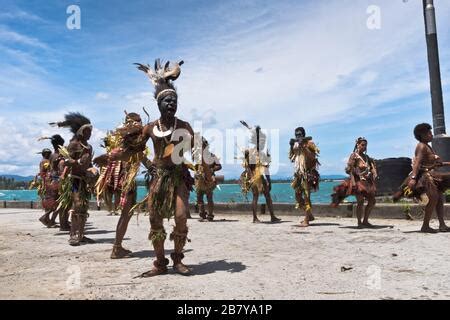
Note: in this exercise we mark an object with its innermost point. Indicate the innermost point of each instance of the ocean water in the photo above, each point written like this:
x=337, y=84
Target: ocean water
x=281, y=193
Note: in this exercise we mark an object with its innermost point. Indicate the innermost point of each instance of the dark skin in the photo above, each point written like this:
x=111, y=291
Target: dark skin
x=435, y=196
x=58, y=168
x=310, y=162
x=45, y=218
x=215, y=166
x=168, y=107
x=78, y=167
x=361, y=149
x=64, y=224
x=118, y=251
x=111, y=204
x=267, y=187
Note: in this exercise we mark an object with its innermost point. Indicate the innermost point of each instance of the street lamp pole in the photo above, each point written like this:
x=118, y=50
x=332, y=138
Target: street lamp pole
x=441, y=142
x=437, y=101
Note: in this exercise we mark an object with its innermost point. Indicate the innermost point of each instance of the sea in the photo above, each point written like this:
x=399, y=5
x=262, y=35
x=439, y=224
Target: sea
x=226, y=193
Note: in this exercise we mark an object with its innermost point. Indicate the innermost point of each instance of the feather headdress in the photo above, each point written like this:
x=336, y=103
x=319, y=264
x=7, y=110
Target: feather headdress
x=56, y=140
x=75, y=121
x=257, y=137
x=162, y=77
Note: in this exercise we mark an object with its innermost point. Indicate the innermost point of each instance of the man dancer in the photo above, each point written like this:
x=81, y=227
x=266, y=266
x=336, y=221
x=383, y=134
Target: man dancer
x=304, y=154
x=171, y=181
x=361, y=184
x=42, y=181
x=122, y=139
x=256, y=176
x=79, y=175
x=207, y=164
x=56, y=171
x=425, y=181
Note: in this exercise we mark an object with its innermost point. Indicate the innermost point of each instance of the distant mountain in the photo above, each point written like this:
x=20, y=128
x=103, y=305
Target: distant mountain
x=16, y=177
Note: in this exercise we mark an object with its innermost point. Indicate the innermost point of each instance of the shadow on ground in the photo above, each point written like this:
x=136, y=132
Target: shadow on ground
x=106, y=240
x=220, y=220
x=323, y=224
x=218, y=265
x=375, y=227
x=278, y=222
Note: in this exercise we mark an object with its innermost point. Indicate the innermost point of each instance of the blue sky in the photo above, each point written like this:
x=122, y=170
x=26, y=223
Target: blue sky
x=279, y=64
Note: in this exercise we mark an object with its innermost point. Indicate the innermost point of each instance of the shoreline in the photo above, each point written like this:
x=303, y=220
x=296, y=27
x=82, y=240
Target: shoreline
x=403, y=211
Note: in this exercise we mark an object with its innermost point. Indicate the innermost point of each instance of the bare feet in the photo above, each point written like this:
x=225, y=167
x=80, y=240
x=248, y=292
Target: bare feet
x=428, y=230
x=367, y=225
x=119, y=252
x=73, y=241
x=304, y=224
x=274, y=219
x=256, y=220
x=182, y=269
x=154, y=272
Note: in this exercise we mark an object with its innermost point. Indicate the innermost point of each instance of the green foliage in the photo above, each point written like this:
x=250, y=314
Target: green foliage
x=11, y=184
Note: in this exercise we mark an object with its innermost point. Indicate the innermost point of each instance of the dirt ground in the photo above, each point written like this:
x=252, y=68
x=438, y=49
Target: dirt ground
x=231, y=258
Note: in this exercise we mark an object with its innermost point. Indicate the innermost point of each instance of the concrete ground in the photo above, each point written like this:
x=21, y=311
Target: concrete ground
x=231, y=258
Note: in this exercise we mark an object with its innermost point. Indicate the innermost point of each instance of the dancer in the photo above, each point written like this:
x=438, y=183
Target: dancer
x=56, y=171
x=79, y=176
x=171, y=181
x=304, y=154
x=361, y=184
x=124, y=173
x=107, y=186
x=425, y=182
x=256, y=176
x=42, y=183
x=207, y=164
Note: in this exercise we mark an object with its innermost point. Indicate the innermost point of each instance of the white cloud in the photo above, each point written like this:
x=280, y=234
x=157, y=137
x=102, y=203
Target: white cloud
x=4, y=101
x=20, y=14
x=8, y=36
x=19, y=143
x=101, y=96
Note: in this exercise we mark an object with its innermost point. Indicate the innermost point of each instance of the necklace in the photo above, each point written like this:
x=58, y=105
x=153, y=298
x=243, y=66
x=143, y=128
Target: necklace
x=157, y=130
x=168, y=149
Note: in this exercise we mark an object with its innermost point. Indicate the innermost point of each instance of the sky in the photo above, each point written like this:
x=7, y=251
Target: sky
x=279, y=64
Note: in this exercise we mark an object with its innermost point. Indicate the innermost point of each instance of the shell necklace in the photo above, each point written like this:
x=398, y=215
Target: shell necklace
x=164, y=134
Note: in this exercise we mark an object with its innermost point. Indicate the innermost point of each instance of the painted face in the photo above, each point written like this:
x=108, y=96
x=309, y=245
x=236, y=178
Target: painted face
x=87, y=133
x=133, y=118
x=299, y=134
x=46, y=155
x=362, y=146
x=168, y=105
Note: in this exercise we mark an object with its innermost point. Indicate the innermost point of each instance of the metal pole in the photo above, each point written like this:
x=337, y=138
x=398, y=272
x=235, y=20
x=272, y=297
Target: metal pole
x=437, y=101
